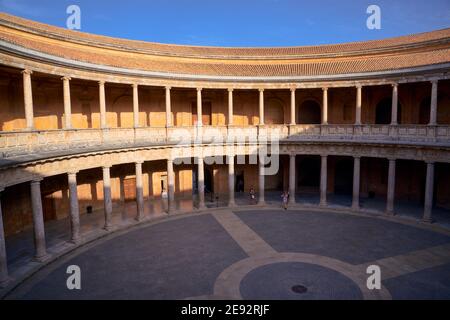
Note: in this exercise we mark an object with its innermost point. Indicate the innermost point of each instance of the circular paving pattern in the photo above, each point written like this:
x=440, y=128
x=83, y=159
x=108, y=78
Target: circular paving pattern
x=260, y=254
x=281, y=280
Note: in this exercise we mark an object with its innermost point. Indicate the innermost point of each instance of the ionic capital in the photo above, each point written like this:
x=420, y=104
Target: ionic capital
x=66, y=78
x=27, y=71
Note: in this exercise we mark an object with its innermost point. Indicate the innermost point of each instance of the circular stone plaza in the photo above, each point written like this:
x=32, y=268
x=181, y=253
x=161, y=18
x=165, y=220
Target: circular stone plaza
x=157, y=170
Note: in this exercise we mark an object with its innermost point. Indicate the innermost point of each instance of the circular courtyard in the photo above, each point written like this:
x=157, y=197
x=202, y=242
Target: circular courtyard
x=263, y=253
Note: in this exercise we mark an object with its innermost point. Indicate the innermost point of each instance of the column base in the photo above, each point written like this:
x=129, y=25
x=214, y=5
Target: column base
x=427, y=220
x=5, y=282
x=389, y=213
x=323, y=203
x=75, y=240
x=355, y=207
x=232, y=203
x=202, y=207
x=42, y=258
x=108, y=227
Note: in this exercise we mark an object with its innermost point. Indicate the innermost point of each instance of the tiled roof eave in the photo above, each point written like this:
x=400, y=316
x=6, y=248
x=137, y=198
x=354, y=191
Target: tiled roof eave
x=82, y=65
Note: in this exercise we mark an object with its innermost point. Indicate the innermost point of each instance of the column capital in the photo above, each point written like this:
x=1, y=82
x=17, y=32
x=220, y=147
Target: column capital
x=108, y=166
x=101, y=82
x=434, y=81
x=394, y=84
x=72, y=172
x=66, y=78
x=199, y=89
x=292, y=155
x=324, y=155
x=391, y=159
x=139, y=162
x=36, y=180
x=27, y=71
x=134, y=85
x=168, y=87
x=325, y=89
x=429, y=161
x=358, y=86
x=293, y=88
x=230, y=89
x=261, y=89
x=357, y=157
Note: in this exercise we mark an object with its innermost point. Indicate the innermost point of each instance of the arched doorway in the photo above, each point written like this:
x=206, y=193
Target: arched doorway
x=343, y=178
x=274, y=112
x=383, y=112
x=309, y=113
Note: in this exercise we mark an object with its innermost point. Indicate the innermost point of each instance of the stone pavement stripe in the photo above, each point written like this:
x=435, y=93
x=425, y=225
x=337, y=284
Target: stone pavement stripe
x=411, y=262
x=247, y=239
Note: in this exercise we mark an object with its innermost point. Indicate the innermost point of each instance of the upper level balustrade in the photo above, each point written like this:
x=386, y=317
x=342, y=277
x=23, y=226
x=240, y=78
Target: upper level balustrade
x=55, y=142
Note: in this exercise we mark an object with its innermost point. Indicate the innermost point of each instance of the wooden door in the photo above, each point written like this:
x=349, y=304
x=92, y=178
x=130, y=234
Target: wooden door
x=129, y=188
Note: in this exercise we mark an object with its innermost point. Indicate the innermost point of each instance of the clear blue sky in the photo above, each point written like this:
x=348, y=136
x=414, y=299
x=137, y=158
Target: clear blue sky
x=240, y=23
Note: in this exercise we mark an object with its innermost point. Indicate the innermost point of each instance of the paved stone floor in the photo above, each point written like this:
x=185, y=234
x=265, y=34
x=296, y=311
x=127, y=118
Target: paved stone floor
x=254, y=253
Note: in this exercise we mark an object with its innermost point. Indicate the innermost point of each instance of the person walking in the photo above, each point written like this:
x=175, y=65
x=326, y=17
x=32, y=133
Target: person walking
x=285, y=199
x=252, y=196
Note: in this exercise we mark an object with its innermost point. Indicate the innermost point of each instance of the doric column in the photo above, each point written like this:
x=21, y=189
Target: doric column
x=135, y=105
x=171, y=185
x=292, y=175
x=168, y=108
x=67, y=103
x=74, y=209
x=429, y=192
x=293, y=122
x=323, y=180
x=201, y=183
x=139, y=192
x=261, y=106
x=28, y=98
x=107, y=198
x=38, y=221
x=261, y=182
x=102, y=99
x=433, y=107
x=231, y=183
x=230, y=106
x=394, y=104
x=199, y=107
x=356, y=182
x=391, y=188
x=4, y=279
x=325, y=106
x=358, y=104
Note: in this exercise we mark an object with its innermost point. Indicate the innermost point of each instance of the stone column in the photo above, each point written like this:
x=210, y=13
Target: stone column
x=199, y=107
x=67, y=103
x=323, y=181
x=261, y=106
x=261, y=183
x=102, y=99
x=433, y=107
x=394, y=104
x=139, y=192
x=74, y=209
x=28, y=98
x=201, y=183
x=171, y=185
x=107, y=198
x=356, y=182
x=230, y=106
x=358, y=105
x=38, y=221
x=168, y=108
x=135, y=105
x=293, y=122
x=292, y=175
x=231, y=182
x=325, y=106
x=391, y=188
x=4, y=278
x=429, y=192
